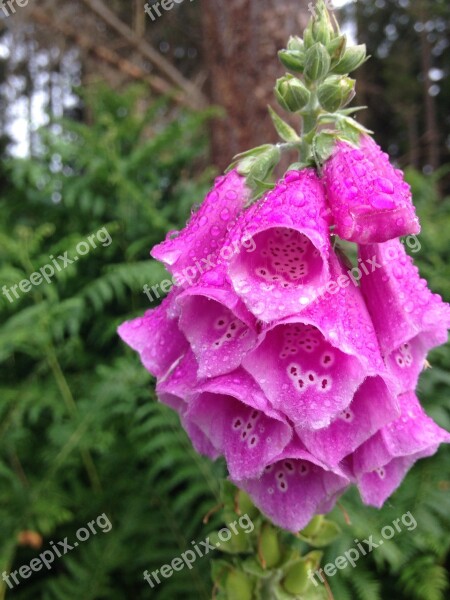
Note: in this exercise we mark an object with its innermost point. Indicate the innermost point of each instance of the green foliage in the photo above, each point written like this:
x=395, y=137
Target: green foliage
x=81, y=431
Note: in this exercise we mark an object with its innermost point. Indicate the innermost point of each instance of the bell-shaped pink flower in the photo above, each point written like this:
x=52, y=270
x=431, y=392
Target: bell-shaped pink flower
x=156, y=336
x=373, y=406
x=217, y=324
x=368, y=197
x=189, y=253
x=291, y=245
x=310, y=365
x=409, y=319
x=176, y=390
x=295, y=487
x=237, y=419
x=381, y=463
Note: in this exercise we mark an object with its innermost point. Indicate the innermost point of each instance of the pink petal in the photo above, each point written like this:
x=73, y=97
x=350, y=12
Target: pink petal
x=235, y=416
x=288, y=255
x=295, y=487
x=369, y=199
x=373, y=406
x=381, y=463
x=176, y=390
x=156, y=337
x=219, y=328
x=188, y=254
x=409, y=319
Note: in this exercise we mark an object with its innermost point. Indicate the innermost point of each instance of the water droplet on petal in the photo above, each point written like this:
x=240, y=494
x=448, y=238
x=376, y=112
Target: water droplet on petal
x=382, y=202
x=385, y=185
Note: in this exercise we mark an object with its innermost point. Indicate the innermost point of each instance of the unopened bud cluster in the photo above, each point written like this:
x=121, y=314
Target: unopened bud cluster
x=324, y=62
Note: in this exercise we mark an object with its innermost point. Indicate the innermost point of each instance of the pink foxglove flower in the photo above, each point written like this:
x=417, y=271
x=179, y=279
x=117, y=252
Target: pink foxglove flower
x=201, y=239
x=290, y=231
x=220, y=329
x=409, y=319
x=294, y=487
x=381, y=463
x=243, y=426
x=368, y=197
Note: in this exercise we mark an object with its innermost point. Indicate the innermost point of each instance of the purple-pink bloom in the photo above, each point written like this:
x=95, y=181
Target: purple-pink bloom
x=294, y=487
x=156, y=336
x=373, y=406
x=291, y=246
x=217, y=324
x=368, y=197
x=275, y=359
x=238, y=420
x=381, y=463
x=409, y=319
x=310, y=365
x=201, y=239
x=176, y=390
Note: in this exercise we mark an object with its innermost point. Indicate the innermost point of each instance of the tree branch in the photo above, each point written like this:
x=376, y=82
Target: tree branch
x=106, y=54
x=146, y=50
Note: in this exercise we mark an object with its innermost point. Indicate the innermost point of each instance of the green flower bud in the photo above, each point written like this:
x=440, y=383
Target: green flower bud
x=296, y=43
x=291, y=93
x=269, y=547
x=245, y=164
x=245, y=505
x=238, y=543
x=336, y=48
x=352, y=59
x=317, y=63
x=313, y=526
x=322, y=29
x=294, y=60
x=238, y=586
x=296, y=580
x=308, y=37
x=336, y=92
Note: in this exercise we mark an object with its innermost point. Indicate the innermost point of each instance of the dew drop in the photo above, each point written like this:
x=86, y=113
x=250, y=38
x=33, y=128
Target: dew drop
x=385, y=185
x=382, y=202
x=225, y=214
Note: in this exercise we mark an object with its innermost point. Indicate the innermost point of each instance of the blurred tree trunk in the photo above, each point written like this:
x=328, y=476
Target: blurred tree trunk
x=241, y=40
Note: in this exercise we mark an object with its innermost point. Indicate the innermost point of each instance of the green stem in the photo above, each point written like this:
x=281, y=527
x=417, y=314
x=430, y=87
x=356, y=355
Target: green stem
x=65, y=390
x=309, y=123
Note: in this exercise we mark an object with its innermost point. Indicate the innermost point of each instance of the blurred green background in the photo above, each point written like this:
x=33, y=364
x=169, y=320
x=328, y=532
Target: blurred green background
x=108, y=119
